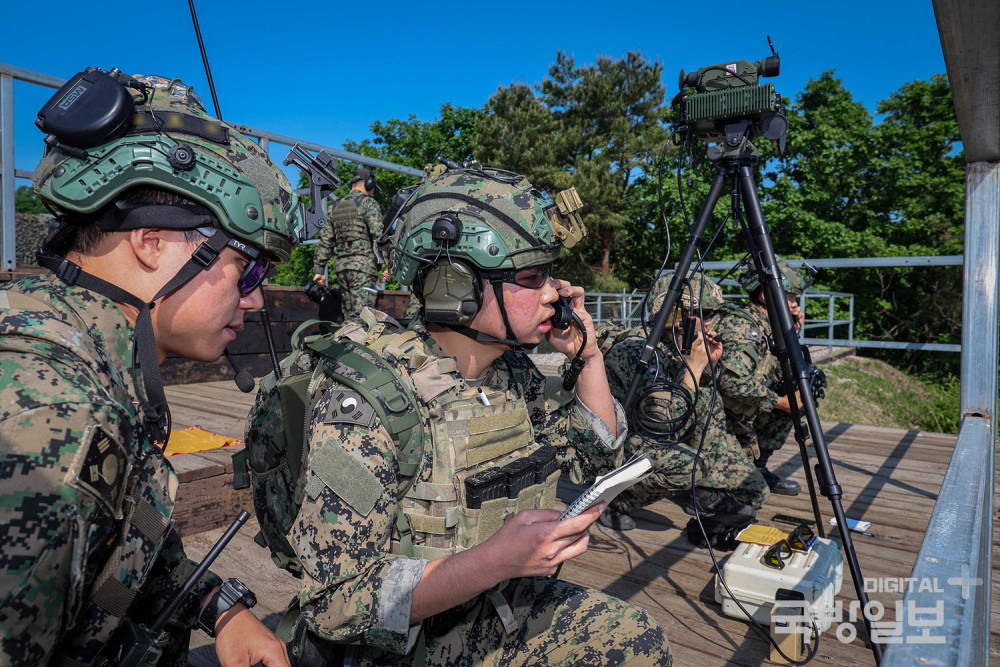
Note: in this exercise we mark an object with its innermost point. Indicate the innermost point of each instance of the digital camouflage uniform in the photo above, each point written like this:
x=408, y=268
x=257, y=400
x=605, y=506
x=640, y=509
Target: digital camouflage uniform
x=358, y=587
x=354, y=225
x=722, y=464
x=745, y=369
x=85, y=522
x=751, y=378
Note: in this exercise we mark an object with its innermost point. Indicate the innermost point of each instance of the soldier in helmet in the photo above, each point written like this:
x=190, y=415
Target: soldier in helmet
x=355, y=223
x=167, y=221
x=676, y=415
x=750, y=378
x=426, y=533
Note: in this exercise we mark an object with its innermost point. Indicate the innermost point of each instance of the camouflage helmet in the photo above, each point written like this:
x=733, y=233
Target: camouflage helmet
x=706, y=293
x=169, y=142
x=791, y=278
x=470, y=225
x=498, y=220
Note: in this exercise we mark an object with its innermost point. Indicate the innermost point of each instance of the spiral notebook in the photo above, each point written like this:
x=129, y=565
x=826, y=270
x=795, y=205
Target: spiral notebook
x=607, y=487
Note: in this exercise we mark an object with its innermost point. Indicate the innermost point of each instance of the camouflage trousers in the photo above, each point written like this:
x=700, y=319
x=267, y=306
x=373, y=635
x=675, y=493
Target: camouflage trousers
x=772, y=429
x=354, y=296
x=722, y=464
x=555, y=623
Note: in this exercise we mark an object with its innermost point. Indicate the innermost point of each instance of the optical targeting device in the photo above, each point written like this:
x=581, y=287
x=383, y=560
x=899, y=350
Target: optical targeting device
x=730, y=106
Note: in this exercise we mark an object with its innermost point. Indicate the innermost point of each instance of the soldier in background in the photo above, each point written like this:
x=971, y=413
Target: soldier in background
x=750, y=379
x=441, y=550
x=147, y=261
x=677, y=414
x=355, y=223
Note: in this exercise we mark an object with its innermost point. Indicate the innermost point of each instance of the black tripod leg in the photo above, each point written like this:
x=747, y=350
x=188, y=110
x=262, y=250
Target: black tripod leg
x=800, y=438
x=676, y=285
x=779, y=313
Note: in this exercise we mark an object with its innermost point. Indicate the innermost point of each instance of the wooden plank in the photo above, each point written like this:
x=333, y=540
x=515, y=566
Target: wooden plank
x=191, y=467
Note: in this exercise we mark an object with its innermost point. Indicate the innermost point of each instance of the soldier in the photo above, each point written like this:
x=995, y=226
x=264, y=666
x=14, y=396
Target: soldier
x=355, y=223
x=750, y=379
x=677, y=415
x=161, y=240
x=425, y=532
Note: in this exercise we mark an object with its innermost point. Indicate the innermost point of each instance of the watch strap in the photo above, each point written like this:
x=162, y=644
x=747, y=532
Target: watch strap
x=231, y=592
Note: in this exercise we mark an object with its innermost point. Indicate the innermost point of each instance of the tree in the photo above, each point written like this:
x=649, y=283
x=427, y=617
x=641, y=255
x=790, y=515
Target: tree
x=25, y=201
x=850, y=187
x=594, y=127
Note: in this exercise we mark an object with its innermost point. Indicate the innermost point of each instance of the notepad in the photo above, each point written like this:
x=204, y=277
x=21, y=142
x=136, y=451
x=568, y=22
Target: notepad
x=606, y=487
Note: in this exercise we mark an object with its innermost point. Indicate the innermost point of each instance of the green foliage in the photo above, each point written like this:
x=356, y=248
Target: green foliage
x=594, y=127
x=411, y=143
x=849, y=184
x=25, y=201
x=298, y=270
x=850, y=187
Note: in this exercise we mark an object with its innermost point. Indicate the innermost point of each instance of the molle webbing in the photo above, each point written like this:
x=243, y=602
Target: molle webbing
x=348, y=226
x=109, y=592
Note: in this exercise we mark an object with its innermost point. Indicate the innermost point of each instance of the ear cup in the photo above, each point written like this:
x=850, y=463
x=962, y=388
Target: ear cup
x=452, y=293
x=370, y=183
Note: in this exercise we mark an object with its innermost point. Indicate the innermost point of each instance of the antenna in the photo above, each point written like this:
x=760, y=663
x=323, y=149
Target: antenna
x=265, y=317
x=204, y=59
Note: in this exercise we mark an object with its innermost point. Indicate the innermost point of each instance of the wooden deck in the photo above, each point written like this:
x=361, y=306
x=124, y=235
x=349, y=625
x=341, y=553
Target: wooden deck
x=890, y=477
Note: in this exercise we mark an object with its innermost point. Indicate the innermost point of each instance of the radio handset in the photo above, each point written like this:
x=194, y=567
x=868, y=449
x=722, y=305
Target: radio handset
x=563, y=316
x=561, y=319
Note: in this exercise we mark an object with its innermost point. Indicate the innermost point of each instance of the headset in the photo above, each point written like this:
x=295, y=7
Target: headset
x=370, y=183
x=447, y=282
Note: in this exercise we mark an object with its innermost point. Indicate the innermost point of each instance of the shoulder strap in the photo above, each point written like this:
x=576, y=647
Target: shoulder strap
x=379, y=383
x=516, y=367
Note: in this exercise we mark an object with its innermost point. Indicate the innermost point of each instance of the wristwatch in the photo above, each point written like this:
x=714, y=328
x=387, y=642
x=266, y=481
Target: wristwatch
x=232, y=591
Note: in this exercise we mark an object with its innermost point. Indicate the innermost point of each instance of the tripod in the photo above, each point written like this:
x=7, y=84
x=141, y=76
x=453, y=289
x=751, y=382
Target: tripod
x=738, y=170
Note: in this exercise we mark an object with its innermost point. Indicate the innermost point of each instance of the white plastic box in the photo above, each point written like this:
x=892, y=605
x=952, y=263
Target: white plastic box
x=818, y=575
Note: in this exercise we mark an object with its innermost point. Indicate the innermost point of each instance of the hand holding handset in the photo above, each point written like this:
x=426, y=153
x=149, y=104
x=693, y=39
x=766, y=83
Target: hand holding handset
x=561, y=319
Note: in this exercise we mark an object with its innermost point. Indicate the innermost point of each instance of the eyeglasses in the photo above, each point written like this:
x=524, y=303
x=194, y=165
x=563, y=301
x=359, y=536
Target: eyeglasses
x=255, y=272
x=802, y=539
x=532, y=277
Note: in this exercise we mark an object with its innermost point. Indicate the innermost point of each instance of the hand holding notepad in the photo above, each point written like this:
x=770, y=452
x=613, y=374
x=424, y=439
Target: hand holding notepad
x=606, y=487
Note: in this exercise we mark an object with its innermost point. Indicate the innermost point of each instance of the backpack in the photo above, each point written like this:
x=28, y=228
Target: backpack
x=272, y=461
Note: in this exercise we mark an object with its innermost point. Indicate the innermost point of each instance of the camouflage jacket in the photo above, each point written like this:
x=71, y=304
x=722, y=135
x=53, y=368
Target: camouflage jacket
x=622, y=349
x=356, y=588
x=747, y=364
x=370, y=217
x=85, y=521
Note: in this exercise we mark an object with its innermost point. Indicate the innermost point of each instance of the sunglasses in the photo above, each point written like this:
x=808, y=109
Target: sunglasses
x=255, y=272
x=802, y=539
x=532, y=277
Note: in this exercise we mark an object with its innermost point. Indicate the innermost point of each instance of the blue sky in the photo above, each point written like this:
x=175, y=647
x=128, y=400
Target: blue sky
x=325, y=71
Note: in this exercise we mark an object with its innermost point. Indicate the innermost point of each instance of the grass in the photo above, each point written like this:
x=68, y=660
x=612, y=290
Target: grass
x=868, y=391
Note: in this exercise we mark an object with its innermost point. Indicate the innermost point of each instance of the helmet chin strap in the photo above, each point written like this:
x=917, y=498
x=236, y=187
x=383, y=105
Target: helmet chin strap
x=510, y=341
x=153, y=401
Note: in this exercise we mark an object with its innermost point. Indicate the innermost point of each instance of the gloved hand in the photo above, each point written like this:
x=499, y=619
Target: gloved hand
x=721, y=530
